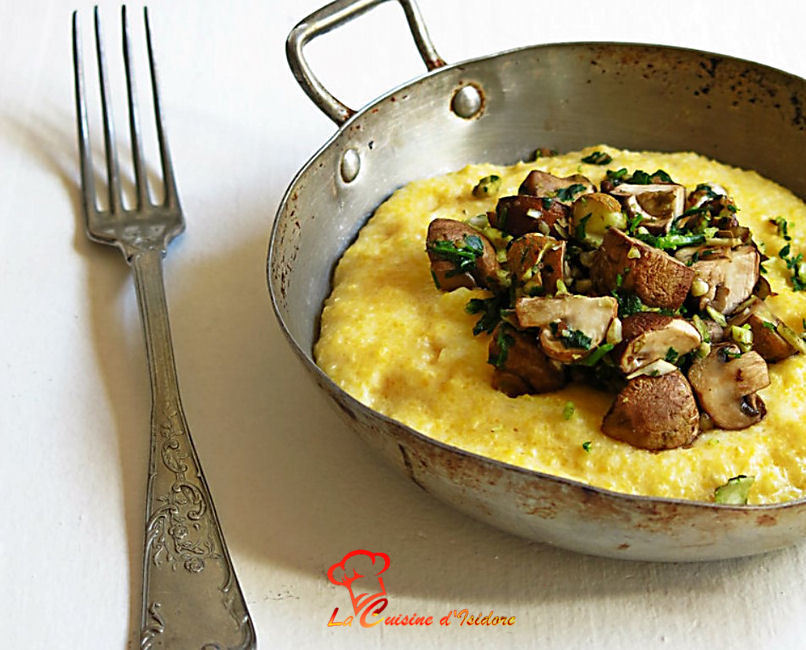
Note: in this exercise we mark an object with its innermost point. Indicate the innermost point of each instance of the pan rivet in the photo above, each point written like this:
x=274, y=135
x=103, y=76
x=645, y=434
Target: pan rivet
x=467, y=101
x=350, y=164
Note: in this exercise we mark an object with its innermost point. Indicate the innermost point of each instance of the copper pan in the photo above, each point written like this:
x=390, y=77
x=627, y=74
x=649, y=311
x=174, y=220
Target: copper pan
x=498, y=108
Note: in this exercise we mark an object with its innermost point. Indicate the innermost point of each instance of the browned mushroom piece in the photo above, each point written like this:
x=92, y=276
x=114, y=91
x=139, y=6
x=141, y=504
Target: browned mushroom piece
x=460, y=256
x=518, y=215
x=724, y=277
x=543, y=184
x=536, y=262
x=654, y=413
x=649, y=336
x=656, y=278
x=592, y=214
x=763, y=289
x=571, y=325
x=521, y=367
x=703, y=193
x=764, y=325
x=657, y=205
x=726, y=382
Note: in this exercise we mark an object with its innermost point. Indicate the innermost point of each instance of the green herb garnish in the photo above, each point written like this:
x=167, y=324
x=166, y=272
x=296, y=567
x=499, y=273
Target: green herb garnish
x=568, y=193
x=463, y=256
x=709, y=191
x=672, y=355
x=490, y=310
x=597, y=355
x=580, y=229
x=783, y=227
x=633, y=223
x=672, y=240
x=487, y=186
x=640, y=177
x=735, y=491
x=576, y=339
x=629, y=304
x=570, y=337
x=587, y=446
x=504, y=342
x=616, y=176
x=598, y=158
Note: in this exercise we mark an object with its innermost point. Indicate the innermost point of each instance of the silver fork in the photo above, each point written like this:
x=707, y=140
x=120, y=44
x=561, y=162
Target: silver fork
x=191, y=595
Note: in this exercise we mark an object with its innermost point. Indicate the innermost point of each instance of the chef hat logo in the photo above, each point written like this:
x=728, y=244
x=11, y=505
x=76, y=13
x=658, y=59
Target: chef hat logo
x=360, y=564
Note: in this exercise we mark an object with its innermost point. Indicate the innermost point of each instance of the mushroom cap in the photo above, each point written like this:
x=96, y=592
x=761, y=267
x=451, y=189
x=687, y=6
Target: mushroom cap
x=654, y=413
x=764, y=325
x=537, y=259
x=539, y=183
x=731, y=275
x=486, y=267
x=650, y=336
x=521, y=214
x=657, y=278
x=525, y=368
x=703, y=193
x=725, y=383
x=596, y=213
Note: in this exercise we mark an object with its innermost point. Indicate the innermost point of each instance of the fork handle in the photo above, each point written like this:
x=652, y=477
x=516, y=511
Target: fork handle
x=191, y=595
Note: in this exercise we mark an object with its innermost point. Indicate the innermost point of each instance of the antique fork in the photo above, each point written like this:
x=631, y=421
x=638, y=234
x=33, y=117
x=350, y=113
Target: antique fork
x=191, y=595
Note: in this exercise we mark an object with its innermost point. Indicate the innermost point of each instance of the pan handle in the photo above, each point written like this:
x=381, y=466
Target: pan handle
x=331, y=16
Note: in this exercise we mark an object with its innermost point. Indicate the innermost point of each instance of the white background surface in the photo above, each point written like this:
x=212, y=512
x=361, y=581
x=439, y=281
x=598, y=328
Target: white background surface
x=294, y=488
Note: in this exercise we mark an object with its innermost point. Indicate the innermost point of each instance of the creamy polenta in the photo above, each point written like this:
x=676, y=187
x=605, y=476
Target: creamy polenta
x=407, y=350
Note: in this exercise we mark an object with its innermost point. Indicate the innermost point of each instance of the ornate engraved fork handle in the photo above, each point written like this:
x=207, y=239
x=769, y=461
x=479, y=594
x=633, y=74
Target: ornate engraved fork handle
x=191, y=596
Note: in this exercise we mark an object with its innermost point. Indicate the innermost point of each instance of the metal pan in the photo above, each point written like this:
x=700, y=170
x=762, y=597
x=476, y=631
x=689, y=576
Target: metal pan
x=498, y=109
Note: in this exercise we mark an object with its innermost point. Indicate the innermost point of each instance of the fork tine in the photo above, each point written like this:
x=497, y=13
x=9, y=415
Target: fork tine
x=140, y=181
x=113, y=176
x=171, y=195
x=87, y=176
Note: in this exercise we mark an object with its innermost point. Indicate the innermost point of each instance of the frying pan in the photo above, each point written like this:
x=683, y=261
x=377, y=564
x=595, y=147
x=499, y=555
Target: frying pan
x=498, y=108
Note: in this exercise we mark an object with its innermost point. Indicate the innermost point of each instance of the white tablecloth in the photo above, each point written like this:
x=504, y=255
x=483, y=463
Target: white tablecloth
x=294, y=488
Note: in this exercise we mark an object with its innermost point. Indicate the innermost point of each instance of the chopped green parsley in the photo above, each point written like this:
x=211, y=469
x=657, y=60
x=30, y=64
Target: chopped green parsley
x=598, y=158
x=463, y=256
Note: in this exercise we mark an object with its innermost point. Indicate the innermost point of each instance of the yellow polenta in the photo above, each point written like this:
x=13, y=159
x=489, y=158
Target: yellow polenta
x=396, y=343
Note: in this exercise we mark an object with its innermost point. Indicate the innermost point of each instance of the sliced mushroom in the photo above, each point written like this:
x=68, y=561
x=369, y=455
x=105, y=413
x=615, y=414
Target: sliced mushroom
x=593, y=214
x=767, y=341
x=571, y=325
x=650, y=336
x=730, y=276
x=450, y=245
x=726, y=382
x=543, y=184
x=657, y=205
x=656, y=278
x=654, y=413
x=518, y=215
x=523, y=368
x=763, y=289
x=536, y=262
